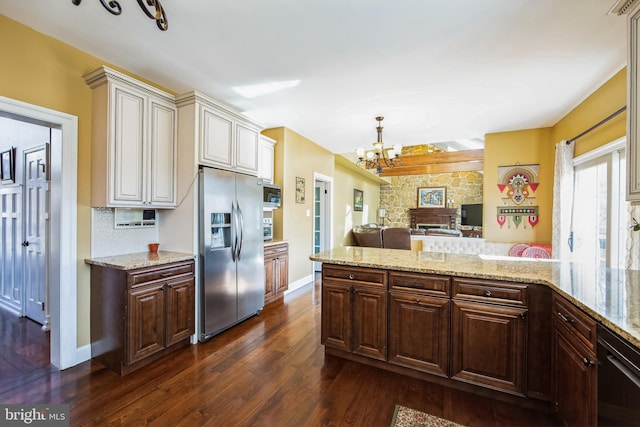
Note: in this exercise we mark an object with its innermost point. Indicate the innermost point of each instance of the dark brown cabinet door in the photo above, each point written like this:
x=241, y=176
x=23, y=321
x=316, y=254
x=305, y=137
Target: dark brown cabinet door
x=269, y=279
x=575, y=388
x=282, y=268
x=489, y=345
x=336, y=316
x=419, y=332
x=370, y=322
x=146, y=322
x=180, y=309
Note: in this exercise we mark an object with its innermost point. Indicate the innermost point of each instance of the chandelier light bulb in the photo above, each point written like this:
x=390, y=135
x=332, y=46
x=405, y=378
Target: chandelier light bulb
x=379, y=157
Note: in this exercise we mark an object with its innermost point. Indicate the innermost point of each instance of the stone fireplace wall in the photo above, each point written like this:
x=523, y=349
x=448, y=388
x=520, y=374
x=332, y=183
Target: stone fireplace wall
x=402, y=194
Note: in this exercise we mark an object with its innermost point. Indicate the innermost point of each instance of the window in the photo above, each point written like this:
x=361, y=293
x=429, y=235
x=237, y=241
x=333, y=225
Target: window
x=599, y=233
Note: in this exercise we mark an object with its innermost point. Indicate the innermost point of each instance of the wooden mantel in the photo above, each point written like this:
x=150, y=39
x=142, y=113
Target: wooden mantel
x=446, y=216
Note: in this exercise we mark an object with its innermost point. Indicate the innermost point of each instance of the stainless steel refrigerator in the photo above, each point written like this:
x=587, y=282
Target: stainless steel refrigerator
x=231, y=249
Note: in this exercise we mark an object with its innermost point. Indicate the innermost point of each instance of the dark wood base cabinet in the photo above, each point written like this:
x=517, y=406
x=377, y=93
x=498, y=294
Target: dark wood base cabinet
x=468, y=333
x=354, y=311
x=574, y=365
x=276, y=266
x=138, y=316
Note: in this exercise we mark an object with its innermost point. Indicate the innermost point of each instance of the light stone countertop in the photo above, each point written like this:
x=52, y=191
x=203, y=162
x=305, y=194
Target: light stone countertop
x=268, y=243
x=610, y=296
x=139, y=260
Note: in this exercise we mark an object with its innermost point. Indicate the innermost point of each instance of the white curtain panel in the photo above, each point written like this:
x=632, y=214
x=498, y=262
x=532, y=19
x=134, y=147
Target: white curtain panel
x=562, y=200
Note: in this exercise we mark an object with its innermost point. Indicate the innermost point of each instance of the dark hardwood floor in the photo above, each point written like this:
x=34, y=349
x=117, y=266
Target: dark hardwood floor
x=268, y=371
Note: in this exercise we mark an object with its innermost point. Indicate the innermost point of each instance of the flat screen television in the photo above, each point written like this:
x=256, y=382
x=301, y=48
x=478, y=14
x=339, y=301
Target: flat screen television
x=471, y=214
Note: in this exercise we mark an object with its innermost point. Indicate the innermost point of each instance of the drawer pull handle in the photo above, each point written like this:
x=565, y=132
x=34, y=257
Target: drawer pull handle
x=487, y=293
x=166, y=274
x=417, y=301
x=587, y=362
x=566, y=318
x=351, y=276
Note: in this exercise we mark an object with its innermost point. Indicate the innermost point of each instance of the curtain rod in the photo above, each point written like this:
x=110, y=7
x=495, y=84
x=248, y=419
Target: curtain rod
x=597, y=125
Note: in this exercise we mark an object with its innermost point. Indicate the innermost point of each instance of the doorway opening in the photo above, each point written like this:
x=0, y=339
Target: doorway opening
x=61, y=270
x=24, y=218
x=322, y=202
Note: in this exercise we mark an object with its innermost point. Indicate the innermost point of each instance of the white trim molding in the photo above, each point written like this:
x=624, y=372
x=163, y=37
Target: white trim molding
x=63, y=251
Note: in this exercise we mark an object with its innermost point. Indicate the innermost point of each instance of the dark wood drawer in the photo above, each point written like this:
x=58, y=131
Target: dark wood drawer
x=572, y=319
x=355, y=275
x=149, y=275
x=427, y=284
x=275, y=250
x=505, y=293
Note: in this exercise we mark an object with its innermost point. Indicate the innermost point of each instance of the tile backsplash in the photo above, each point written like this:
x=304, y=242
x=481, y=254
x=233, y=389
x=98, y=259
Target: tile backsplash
x=106, y=240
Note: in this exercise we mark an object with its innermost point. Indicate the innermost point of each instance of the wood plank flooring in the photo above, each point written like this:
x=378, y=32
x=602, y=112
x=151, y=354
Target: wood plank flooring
x=268, y=371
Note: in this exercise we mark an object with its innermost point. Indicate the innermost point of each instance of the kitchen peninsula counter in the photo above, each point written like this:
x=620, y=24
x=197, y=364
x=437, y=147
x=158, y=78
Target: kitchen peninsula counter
x=610, y=296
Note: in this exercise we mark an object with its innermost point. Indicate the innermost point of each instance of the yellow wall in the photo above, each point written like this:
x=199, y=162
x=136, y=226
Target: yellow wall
x=297, y=156
x=344, y=217
x=611, y=96
x=511, y=148
x=40, y=70
x=537, y=146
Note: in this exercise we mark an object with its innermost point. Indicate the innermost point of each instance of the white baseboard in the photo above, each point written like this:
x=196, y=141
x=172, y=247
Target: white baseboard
x=299, y=283
x=83, y=353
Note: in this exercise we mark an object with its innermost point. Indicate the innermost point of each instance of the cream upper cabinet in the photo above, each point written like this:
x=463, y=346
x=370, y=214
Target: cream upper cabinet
x=633, y=104
x=134, y=136
x=223, y=137
x=266, y=154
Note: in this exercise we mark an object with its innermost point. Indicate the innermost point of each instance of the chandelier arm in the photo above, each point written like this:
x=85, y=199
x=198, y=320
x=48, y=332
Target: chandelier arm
x=112, y=6
x=159, y=15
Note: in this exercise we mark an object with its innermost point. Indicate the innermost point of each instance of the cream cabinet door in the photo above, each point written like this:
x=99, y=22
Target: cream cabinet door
x=266, y=154
x=161, y=182
x=246, y=149
x=633, y=107
x=216, y=139
x=127, y=148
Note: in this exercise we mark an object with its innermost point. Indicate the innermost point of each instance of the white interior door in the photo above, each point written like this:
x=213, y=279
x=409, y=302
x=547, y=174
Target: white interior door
x=321, y=219
x=36, y=224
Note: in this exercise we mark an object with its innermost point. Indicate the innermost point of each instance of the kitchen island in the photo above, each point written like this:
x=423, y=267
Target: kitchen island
x=514, y=328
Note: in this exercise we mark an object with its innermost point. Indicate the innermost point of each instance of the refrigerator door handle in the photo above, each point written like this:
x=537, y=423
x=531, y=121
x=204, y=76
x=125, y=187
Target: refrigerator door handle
x=234, y=244
x=241, y=222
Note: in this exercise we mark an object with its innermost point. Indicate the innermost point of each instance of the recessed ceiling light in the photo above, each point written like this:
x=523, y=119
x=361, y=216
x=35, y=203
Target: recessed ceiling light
x=251, y=91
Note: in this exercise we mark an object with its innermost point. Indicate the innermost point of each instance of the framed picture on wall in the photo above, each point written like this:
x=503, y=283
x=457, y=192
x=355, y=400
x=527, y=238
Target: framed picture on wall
x=358, y=200
x=300, y=190
x=432, y=197
x=8, y=166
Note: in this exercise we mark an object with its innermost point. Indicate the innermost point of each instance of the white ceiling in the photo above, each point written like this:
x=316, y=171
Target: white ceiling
x=437, y=70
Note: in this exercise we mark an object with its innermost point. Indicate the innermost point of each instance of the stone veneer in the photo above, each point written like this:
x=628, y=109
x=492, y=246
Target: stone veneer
x=402, y=194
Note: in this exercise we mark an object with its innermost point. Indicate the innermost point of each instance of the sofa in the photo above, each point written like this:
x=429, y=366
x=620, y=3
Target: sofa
x=378, y=237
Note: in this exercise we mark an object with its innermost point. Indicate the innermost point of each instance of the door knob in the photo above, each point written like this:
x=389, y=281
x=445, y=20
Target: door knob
x=25, y=243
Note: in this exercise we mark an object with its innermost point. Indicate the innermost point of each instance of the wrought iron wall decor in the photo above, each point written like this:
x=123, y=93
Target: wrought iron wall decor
x=152, y=8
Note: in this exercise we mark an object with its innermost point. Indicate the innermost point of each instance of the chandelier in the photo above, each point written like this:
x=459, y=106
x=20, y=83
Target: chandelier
x=379, y=156
x=153, y=9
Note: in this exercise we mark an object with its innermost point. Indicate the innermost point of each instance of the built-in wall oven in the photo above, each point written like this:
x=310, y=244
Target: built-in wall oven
x=267, y=226
x=618, y=381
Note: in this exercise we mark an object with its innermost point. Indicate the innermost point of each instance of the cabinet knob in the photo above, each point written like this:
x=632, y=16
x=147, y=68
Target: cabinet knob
x=523, y=315
x=587, y=362
x=417, y=301
x=487, y=293
x=351, y=276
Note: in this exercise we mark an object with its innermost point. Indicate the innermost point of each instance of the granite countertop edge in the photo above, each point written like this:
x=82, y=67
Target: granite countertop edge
x=139, y=260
